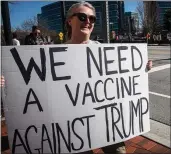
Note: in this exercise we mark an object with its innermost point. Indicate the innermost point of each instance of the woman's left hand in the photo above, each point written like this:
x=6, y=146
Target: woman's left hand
x=2, y=81
x=149, y=65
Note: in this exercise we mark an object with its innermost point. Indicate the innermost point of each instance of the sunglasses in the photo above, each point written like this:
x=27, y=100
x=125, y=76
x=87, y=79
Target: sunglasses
x=37, y=33
x=83, y=17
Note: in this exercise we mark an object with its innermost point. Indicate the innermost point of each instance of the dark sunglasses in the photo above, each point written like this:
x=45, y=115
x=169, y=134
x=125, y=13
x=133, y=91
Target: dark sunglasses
x=37, y=33
x=83, y=17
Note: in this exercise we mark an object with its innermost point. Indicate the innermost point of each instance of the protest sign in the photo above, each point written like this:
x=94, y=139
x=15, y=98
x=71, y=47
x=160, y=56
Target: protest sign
x=74, y=98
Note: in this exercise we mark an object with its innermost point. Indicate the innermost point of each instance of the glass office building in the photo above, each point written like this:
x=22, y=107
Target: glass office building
x=162, y=7
x=113, y=16
x=51, y=16
x=116, y=16
x=131, y=22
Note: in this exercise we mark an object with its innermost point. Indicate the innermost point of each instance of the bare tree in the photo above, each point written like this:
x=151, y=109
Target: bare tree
x=148, y=13
x=26, y=28
x=18, y=29
x=27, y=24
x=152, y=16
x=140, y=11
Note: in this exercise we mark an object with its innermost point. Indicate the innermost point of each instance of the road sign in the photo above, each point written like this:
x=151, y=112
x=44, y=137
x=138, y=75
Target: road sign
x=61, y=34
x=61, y=38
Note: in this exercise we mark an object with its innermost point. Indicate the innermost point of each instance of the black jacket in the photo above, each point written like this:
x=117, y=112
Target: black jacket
x=31, y=40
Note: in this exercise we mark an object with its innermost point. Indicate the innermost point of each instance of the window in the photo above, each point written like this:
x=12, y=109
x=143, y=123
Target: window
x=98, y=9
x=113, y=7
x=53, y=11
x=113, y=13
x=52, y=17
x=98, y=22
x=98, y=15
x=112, y=3
x=59, y=20
x=97, y=3
x=113, y=18
x=55, y=27
x=97, y=28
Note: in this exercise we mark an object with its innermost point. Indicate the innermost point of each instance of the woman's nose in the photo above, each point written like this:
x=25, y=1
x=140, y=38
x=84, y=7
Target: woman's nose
x=87, y=21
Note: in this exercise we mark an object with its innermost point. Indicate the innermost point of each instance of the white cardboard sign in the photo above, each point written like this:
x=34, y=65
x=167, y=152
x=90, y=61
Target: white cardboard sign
x=74, y=98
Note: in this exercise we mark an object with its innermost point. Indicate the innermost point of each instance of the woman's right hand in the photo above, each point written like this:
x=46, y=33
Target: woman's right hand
x=2, y=81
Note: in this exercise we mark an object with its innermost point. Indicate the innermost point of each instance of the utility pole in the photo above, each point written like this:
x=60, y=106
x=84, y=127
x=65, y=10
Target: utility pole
x=107, y=22
x=105, y=26
x=63, y=18
x=6, y=22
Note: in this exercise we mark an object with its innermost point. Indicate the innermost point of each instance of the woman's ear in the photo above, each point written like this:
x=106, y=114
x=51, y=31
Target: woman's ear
x=69, y=22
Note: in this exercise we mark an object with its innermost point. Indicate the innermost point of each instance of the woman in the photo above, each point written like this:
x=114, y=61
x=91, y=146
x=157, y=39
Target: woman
x=80, y=22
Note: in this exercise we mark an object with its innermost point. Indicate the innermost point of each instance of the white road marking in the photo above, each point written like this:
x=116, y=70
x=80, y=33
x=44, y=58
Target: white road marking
x=154, y=69
x=162, y=95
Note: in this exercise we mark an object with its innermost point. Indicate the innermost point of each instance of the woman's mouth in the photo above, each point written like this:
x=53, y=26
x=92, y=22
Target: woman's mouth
x=84, y=27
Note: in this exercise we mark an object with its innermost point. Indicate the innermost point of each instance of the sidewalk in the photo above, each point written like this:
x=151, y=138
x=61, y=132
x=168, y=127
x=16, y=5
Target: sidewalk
x=136, y=145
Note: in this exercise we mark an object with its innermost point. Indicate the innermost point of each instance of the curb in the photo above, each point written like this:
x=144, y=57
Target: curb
x=160, y=133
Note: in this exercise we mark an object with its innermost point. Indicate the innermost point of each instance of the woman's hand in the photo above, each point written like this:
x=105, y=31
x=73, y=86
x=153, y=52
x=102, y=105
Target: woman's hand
x=149, y=65
x=2, y=81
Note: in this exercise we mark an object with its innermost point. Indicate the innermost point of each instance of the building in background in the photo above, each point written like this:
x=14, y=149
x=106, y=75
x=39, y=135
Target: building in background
x=116, y=16
x=154, y=12
x=98, y=27
x=131, y=22
x=51, y=18
x=121, y=10
x=162, y=7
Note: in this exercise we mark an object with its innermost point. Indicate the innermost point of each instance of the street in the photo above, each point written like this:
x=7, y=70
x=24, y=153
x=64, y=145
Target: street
x=159, y=84
x=159, y=94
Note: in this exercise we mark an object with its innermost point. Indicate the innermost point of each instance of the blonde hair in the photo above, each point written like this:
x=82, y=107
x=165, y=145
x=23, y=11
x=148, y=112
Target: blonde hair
x=70, y=13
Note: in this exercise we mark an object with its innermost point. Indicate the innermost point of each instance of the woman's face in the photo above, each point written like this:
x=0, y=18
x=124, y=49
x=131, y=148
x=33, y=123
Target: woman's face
x=82, y=21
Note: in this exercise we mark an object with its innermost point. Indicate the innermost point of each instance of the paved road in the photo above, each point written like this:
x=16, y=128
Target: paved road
x=159, y=85
x=160, y=54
